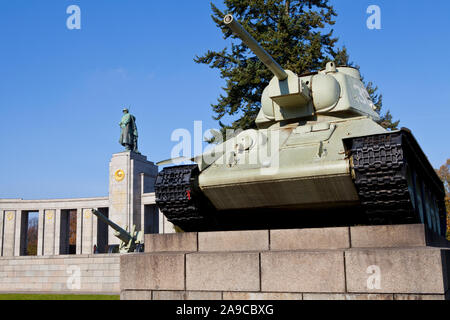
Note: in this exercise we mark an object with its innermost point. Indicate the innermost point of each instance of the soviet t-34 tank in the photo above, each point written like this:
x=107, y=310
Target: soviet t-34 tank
x=318, y=158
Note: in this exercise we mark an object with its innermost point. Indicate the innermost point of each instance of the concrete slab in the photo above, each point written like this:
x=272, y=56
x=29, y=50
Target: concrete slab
x=419, y=297
x=323, y=297
x=136, y=295
x=187, y=295
x=297, y=272
x=261, y=296
x=369, y=297
x=234, y=241
x=412, y=270
x=388, y=236
x=176, y=242
x=163, y=271
x=222, y=272
x=310, y=239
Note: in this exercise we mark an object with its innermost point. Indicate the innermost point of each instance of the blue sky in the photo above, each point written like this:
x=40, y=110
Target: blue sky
x=61, y=91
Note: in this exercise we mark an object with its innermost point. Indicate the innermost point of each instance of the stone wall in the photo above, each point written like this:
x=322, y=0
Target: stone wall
x=383, y=262
x=131, y=202
x=95, y=274
x=51, y=230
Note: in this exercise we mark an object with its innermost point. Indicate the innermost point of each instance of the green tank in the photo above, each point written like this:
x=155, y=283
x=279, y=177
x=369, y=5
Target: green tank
x=318, y=159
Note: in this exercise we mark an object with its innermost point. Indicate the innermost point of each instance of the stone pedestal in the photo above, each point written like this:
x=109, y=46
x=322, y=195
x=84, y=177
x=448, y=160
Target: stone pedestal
x=126, y=187
x=382, y=262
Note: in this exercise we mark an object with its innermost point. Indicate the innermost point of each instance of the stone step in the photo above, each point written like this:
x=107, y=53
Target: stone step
x=396, y=236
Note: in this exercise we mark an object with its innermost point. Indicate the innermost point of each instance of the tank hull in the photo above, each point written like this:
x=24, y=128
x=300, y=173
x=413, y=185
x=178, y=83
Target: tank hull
x=296, y=193
x=344, y=172
x=298, y=166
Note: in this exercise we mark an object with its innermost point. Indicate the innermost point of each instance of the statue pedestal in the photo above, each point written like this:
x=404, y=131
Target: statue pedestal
x=126, y=186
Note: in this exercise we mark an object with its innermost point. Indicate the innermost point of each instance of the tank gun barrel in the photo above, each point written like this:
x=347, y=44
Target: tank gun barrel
x=120, y=233
x=250, y=42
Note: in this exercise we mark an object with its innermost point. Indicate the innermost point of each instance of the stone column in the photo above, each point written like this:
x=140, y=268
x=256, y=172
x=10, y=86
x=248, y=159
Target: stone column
x=1, y=231
x=57, y=242
x=165, y=227
x=87, y=227
x=79, y=229
x=49, y=232
x=41, y=230
x=168, y=226
x=94, y=232
x=161, y=218
x=18, y=236
x=142, y=177
x=9, y=229
x=125, y=189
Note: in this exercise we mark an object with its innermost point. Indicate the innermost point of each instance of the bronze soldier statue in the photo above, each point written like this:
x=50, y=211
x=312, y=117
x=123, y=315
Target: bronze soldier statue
x=129, y=133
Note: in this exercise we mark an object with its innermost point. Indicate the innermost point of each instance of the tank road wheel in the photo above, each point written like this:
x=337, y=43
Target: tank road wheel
x=395, y=181
x=181, y=200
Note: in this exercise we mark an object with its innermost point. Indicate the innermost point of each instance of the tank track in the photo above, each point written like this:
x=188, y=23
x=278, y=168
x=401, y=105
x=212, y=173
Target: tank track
x=395, y=181
x=180, y=199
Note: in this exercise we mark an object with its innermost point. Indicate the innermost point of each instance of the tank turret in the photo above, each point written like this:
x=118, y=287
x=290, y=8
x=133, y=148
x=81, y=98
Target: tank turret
x=333, y=91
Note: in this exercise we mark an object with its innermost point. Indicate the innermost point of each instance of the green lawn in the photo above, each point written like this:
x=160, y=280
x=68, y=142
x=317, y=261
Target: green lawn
x=57, y=297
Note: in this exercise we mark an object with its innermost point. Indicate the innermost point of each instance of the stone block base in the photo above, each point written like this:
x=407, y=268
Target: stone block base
x=357, y=263
x=82, y=274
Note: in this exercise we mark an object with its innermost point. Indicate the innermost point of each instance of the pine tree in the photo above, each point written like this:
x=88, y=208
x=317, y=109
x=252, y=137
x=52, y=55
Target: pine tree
x=294, y=32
